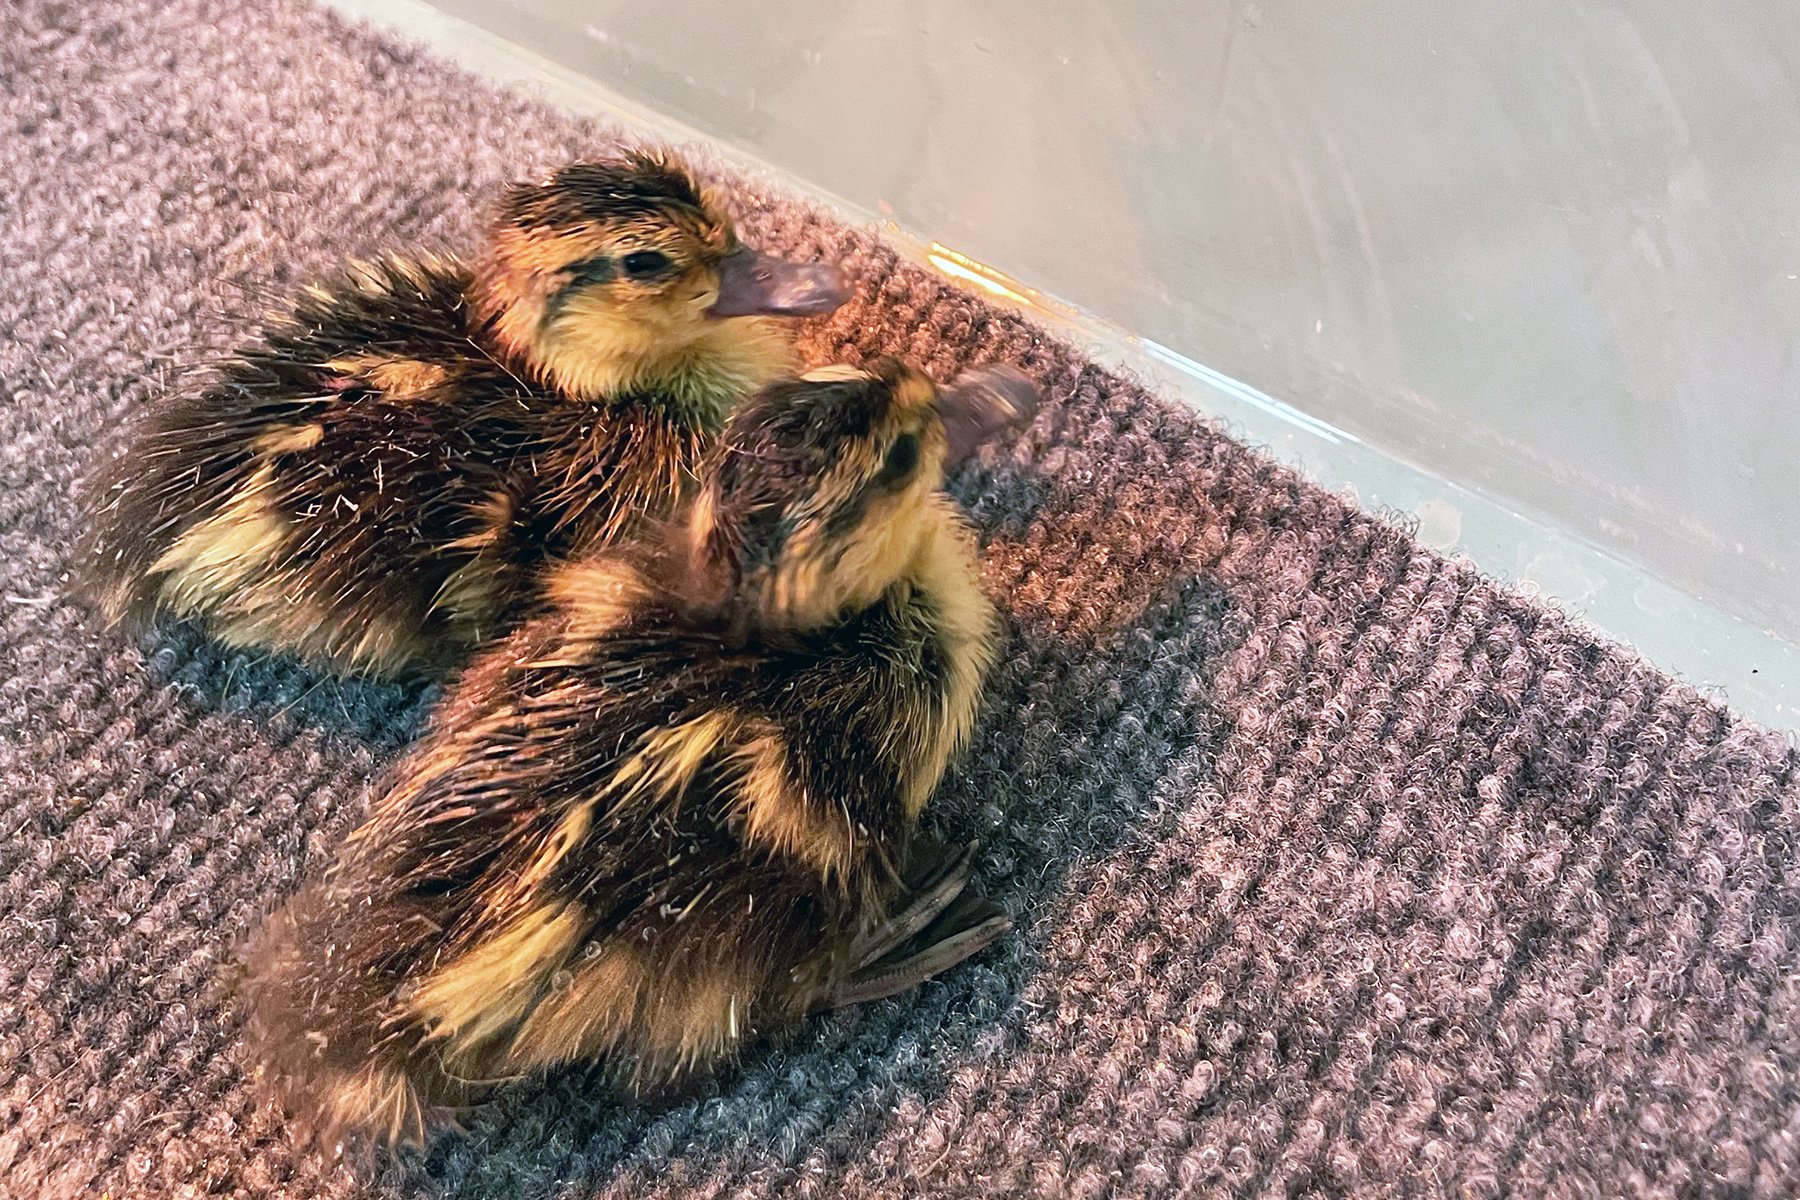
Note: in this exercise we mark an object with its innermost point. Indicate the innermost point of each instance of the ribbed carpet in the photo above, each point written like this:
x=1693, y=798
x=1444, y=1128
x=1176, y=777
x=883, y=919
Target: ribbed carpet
x=1338, y=870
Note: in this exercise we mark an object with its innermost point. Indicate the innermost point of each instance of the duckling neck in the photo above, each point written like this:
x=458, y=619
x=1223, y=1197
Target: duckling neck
x=943, y=572
x=710, y=375
x=700, y=380
x=944, y=575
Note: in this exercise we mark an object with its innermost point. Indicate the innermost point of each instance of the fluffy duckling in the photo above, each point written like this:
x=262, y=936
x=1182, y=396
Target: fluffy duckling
x=370, y=484
x=676, y=812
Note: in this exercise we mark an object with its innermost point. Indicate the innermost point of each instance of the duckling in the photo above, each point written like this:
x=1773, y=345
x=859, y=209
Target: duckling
x=677, y=811
x=371, y=483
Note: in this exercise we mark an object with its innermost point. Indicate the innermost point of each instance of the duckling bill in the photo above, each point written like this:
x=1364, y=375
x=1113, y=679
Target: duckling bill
x=678, y=811
x=373, y=482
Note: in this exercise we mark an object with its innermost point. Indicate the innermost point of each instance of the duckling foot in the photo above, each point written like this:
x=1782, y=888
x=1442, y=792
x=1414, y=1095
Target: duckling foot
x=941, y=924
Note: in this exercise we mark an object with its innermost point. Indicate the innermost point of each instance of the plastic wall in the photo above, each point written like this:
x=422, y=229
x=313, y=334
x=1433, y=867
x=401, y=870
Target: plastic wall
x=1548, y=250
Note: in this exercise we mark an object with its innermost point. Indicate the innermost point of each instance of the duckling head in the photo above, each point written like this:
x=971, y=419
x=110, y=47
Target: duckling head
x=825, y=491
x=625, y=276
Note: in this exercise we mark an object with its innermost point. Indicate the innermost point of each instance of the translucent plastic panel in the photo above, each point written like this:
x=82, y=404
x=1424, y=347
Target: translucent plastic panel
x=1550, y=250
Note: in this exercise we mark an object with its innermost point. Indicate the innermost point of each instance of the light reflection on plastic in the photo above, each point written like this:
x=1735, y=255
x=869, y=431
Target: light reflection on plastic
x=963, y=267
x=951, y=267
x=1248, y=394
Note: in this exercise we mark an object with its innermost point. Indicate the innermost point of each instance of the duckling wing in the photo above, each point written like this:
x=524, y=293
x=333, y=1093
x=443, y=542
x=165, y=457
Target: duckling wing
x=551, y=875
x=326, y=493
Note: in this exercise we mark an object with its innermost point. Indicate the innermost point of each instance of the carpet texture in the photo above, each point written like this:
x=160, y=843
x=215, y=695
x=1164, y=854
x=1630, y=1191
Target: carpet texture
x=1338, y=869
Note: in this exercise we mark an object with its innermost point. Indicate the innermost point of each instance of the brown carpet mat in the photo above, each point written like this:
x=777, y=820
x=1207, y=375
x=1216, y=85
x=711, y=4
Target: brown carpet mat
x=1338, y=870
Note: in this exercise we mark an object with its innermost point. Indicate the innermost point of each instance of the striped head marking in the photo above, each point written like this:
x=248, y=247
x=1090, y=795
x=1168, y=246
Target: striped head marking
x=604, y=269
x=824, y=487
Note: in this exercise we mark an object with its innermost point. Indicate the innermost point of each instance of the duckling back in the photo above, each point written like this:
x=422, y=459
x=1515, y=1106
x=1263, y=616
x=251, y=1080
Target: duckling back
x=327, y=485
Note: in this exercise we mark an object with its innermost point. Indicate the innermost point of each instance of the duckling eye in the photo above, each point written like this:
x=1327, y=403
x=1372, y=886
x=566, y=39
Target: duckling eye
x=641, y=263
x=902, y=458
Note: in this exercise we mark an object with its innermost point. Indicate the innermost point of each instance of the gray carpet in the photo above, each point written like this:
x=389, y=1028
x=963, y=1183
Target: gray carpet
x=1339, y=870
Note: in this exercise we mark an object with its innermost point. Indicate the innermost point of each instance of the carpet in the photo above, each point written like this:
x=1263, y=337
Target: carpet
x=1338, y=869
